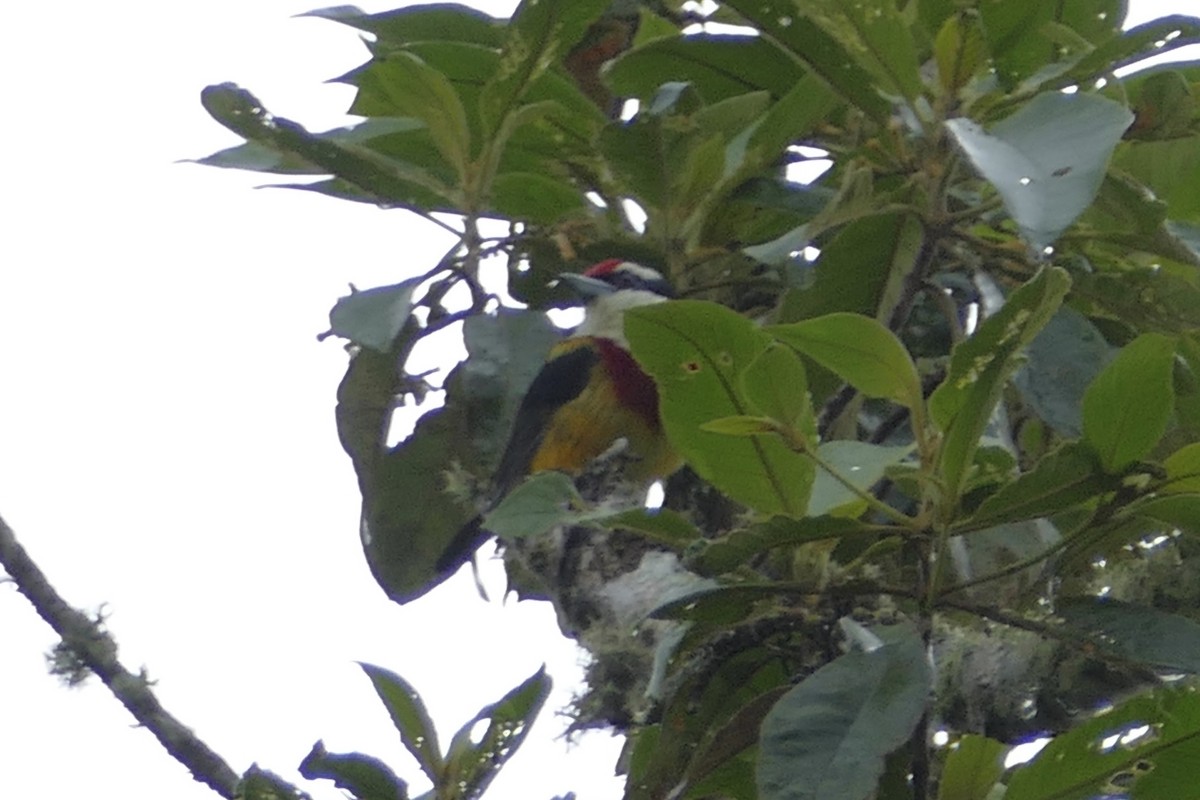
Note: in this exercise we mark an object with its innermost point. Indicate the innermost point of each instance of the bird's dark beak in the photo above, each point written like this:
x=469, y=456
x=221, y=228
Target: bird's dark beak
x=585, y=286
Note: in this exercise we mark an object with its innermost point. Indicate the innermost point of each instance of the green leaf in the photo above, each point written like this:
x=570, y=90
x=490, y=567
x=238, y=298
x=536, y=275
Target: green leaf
x=959, y=51
x=364, y=777
x=719, y=66
x=781, y=22
x=1019, y=33
x=441, y=21
x=387, y=179
x=827, y=738
x=878, y=35
x=719, y=556
x=410, y=717
x=1151, y=743
x=696, y=351
x=374, y=317
x=538, y=36
x=405, y=86
x=1183, y=470
x=1145, y=635
x=1147, y=299
x=720, y=605
x=405, y=542
x=860, y=463
x=472, y=767
x=261, y=784
x=1172, y=511
x=662, y=526
x=1065, y=478
x=1048, y=159
x=535, y=506
x=979, y=368
x=1061, y=362
x=858, y=267
x=858, y=349
x=776, y=386
x=1150, y=39
x=536, y=198
x=972, y=769
x=1170, y=168
x=1127, y=407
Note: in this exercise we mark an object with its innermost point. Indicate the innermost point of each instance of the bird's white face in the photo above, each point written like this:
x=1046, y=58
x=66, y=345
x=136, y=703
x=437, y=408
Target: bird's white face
x=606, y=314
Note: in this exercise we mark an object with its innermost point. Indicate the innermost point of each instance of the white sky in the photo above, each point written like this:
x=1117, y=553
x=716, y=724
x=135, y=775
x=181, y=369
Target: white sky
x=166, y=419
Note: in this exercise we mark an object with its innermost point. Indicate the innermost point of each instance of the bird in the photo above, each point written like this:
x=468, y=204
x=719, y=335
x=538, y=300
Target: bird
x=589, y=394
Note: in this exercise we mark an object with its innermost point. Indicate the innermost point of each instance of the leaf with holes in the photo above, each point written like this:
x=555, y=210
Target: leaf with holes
x=980, y=366
x=471, y=766
x=1151, y=743
x=696, y=352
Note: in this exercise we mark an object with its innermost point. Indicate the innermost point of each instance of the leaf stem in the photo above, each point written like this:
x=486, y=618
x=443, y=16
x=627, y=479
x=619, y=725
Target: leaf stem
x=874, y=503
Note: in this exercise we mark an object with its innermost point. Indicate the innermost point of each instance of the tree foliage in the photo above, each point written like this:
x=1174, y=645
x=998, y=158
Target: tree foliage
x=944, y=397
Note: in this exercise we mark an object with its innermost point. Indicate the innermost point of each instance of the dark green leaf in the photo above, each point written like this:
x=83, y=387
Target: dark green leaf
x=364, y=777
x=1127, y=407
x=1138, y=633
x=473, y=766
x=719, y=66
x=827, y=738
x=538, y=36
x=860, y=350
x=719, y=556
x=1061, y=361
x=408, y=714
x=1148, y=299
x=695, y=352
x=440, y=22
x=1183, y=470
x=879, y=38
x=720, y=605
x=373, y=317
x=1143, y=41
x=857, y=269
x=1065, y=478
x=261, y=784
x=662, y=526
x=972, y=769
x=406, y=541
x=1151, y=742
x=979, y=368
x=1020, y=37
x=1171, y=511
x=717, y=769
x=782, y=23
x=536, y=198
x=390, y=180
x=405, y=86
x=959, y=51
x=1170, y=168
x=1048, y=159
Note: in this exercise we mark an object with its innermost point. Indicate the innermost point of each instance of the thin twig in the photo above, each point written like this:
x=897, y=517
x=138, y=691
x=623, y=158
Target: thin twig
x=97, y=650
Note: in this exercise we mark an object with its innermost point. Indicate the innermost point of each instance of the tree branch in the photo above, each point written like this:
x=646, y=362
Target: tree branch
x=97, y=650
